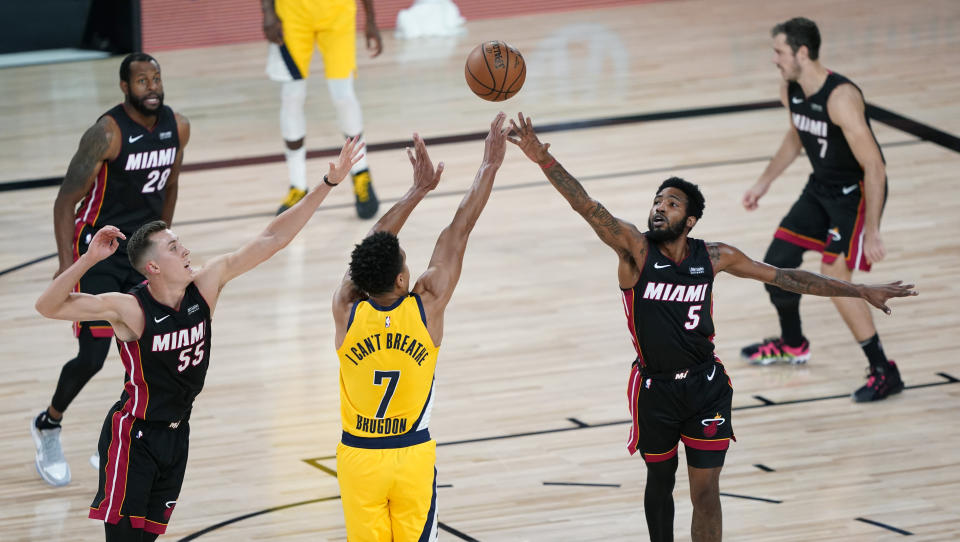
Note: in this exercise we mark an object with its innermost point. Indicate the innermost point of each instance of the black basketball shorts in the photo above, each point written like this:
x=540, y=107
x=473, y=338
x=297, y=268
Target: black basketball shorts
x=830, y=220
x=141, y=470
x=692, y=406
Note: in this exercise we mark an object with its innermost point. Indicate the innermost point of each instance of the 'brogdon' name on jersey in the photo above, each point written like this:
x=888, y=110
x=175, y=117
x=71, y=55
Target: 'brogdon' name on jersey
x=387, y=363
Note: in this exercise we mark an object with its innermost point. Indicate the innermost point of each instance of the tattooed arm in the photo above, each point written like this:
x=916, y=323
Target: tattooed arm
x=100, y=142
x=727, y=258
x=621, y=236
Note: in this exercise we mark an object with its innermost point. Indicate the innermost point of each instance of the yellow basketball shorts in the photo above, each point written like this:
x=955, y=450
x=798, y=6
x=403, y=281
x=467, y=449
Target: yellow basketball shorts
x=389, y=494
x=330, y=26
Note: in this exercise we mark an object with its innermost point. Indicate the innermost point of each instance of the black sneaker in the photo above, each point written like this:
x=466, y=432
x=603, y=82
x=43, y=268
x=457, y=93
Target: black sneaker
x=773, y=350
x=881, y=382
x=366, y=198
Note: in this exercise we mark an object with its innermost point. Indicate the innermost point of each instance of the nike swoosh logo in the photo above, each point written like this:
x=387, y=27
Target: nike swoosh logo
x=658, y=266
x=796, y=100
x=158, y=320
x=132, y=139
x=848, y=189
x=713, y=372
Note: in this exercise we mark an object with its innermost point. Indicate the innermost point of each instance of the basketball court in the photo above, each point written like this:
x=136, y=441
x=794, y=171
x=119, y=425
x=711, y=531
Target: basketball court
x=530, y=415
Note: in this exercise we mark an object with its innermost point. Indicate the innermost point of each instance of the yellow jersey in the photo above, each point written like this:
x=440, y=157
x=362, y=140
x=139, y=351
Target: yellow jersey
x=387, y=364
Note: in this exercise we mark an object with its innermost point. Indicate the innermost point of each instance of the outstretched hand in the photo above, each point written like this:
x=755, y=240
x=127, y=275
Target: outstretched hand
x=878, y=294
x=496, y=143
x=104, y=243
x=425, y=177
x=350, y=154
x=528, y=141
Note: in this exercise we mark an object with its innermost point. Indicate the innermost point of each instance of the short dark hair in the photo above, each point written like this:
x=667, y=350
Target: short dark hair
x=800, y=32
x=139, y=243
x=695, y=201
x=376, y=262
x=130, y=59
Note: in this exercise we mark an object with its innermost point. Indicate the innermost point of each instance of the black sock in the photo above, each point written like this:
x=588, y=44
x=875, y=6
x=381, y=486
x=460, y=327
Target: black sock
x=45, y=421
x=790, y=328
x=874, y=352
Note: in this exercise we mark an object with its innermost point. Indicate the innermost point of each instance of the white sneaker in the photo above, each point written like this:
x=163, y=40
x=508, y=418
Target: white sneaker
x=95, y=460
x=51, y=464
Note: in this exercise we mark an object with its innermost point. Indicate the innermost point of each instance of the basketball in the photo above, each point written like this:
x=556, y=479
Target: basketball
x=495, y=71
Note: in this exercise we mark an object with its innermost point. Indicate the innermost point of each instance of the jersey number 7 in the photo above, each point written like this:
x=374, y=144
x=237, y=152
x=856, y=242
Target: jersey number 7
x=378, y=377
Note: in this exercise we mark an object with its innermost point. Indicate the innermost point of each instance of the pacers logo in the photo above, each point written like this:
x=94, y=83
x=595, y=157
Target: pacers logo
x=710, y=425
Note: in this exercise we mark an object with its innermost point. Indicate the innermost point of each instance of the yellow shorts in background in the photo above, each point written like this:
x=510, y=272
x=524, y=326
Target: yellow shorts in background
x=389, y=494
x=328, y=25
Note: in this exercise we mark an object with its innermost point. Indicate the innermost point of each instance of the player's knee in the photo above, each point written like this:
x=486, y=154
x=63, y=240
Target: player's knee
x=784, y=255
x=661, y=478
x=705, y=494
x=93, y=351
x=342, y=92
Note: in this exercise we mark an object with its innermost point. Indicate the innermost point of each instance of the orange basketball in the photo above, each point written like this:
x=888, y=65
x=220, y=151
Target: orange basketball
x=495, y=71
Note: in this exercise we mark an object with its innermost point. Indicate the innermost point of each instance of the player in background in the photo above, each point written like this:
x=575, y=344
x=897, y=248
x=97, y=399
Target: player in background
x=294, y=28
x=678, y=390
x=125, y=173
x=838, y=212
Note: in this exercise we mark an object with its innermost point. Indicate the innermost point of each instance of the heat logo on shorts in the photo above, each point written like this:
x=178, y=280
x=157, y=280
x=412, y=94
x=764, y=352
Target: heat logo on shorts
x=710, y=425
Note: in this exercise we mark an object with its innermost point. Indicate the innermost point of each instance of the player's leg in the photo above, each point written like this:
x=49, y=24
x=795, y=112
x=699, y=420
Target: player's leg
x=843, y=255
x=655, y=433
x=706, y=436
x=170, y=446
x=707, y=523
x=128, y=470
x=338, y=46
x=658, y=507
x=802, y=229
x=289, y=64
x=365, y=477
x=413, y=498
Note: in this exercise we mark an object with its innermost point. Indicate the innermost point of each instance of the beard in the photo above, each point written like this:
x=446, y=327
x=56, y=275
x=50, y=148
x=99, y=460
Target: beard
x=141, y=107
x=671, y=232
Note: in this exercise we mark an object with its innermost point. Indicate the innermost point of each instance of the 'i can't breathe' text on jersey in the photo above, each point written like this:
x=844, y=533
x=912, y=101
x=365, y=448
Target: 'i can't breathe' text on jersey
x=387, y=363
x=670, y=310
x=167, y=365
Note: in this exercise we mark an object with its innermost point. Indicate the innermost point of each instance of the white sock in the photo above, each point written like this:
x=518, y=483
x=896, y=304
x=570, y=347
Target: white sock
x=297, y=166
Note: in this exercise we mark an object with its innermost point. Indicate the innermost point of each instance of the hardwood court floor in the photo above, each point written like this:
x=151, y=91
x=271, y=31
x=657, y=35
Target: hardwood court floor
x=535, y=357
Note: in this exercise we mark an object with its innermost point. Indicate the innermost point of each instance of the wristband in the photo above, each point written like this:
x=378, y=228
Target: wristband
x=549, y=164
x=327, y=182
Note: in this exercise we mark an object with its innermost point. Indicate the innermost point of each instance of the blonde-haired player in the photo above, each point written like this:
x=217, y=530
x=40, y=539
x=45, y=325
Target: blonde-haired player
x=387, y=339
x=294, y=28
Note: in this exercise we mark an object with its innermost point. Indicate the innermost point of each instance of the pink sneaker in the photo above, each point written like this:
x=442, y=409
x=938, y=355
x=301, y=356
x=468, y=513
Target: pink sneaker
x=773, y=350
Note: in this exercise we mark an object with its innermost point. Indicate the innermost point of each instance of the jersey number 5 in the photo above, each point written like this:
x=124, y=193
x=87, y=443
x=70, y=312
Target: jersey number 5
x=378, y=377
x=694, y=318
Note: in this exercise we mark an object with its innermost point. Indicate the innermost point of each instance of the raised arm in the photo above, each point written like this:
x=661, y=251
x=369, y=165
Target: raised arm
x=846, y=109
x=790, y=149
x=727, y=258
x=60, y=302
x=281, y=230
x=173, y=182
x=437, y=283
x=623, y=237
x=100, y=142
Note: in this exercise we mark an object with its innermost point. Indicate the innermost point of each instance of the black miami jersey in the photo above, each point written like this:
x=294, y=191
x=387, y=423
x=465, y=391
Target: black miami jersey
x=129, y=191
x=167, y=365
x=832, y=160
x=670, y=310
